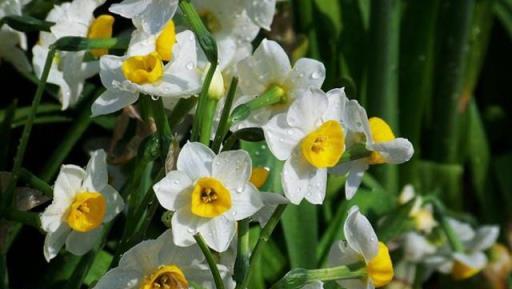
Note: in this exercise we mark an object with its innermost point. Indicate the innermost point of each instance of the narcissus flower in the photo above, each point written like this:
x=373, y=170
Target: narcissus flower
x=143, y=71
x=377, y=137
x=422, y=214
x=12, y=43
x=311, y=139
x=69, y=70
x=465, y=264
x=269, y=67
x=208, y=193
x=147, y=15
x=82, y=202
x=362, y=245
x=160, y=264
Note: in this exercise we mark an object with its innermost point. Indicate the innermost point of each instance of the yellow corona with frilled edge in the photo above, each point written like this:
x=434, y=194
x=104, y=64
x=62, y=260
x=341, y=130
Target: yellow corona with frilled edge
x=143, y=69
x=380, y=268
x=166, y=277
x=210, y=198
x=381, y=132
x=461, y=271
x=87, y=211
x=259, y=176
x=165, y=41
x=324, y=147
x=101, y=27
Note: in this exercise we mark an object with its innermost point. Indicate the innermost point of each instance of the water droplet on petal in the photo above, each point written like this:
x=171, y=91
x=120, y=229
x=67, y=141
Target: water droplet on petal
x=315, y=75
x=190, y=66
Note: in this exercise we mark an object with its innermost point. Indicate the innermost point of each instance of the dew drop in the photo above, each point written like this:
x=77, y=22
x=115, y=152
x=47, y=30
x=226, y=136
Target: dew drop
x=315, y=75
x=155, y=97
x=190, y=230
x=190, y=66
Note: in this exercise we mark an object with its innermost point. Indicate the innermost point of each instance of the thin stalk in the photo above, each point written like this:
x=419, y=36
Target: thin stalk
x=207, y=121
x=242, y=257
x=219, y=284
x=36, y=182
x=264, y=237
x=7, y=197
x=335, y=273
x=162, y=126
x=275, y=94
x=202, y=103
x=224, y=123
x=27, y=218
x=382, y=77
x=72, y=136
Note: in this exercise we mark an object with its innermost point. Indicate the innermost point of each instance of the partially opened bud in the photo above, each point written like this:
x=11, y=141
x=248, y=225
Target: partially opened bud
x=217, y=90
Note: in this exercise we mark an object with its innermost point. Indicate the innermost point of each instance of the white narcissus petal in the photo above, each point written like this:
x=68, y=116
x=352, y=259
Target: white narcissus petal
x=130, y=8
x=110, y=71
x=202, y=275
x=306, y=111
x=143, y=257
x=301, y=180
x=141, y=43
x=270, y=203
x=115, y=203
x=69, y=182
x=245, y=203
x=120, y=278
x=416, y=247
x=355, y=119
x=341, y=254
x=233, y=169
x=463, y=230
x=52, y=217
x=148, y=15
x=261, y=12
x=112, y=101
x=170, y=254
x=79, y=243
x=476, y=260
x=396, y=151
x=314, y=285
x=337, y=103
x=96, y=175
x=195, y=160
x=9, y=50
x=218, y=233
x=54, y=241
x=269, y=64
x=306, y=73
x=360, y=235
x=184, y=226
x=172, y=191
x=355, y=176
x=281, y=137
x=484, y=238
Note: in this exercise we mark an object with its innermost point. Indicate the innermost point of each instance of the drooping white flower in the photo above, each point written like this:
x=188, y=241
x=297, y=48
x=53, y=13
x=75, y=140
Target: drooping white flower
x=82, y=202
x=160, y=264
x=377, y=137
x=208, y=193
x=417, y=247
x=143, y=71
x=13, y=43
x=362, y=245
x=422, y=214
x=270, y=66
x=147, y=15
x=310, y=139
x=463, y=265
x=69, y=70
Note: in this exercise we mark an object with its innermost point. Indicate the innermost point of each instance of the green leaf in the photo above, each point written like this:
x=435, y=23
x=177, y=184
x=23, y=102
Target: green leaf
x=503, y=9
x=444, y=179
x=99, y=267
x=26, y=23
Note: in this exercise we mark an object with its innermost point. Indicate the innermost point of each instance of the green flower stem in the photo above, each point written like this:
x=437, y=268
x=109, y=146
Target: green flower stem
x=162, y=126
x=27, y=218
x=73, y=43
x=242, y=257
x=219, y=284
x=36, y=182
x=80, y=125
x=207, y=120
x=224, y=123
x=204, y=37
x=275, y=94
x=7, y=197
x=297, y=278
x=263, y=238
x=335, y=273
x=26, y=23
x=440, y=215
x=202, y=103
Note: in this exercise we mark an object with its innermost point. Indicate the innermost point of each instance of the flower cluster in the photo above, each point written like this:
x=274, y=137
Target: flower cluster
x=211, y=189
